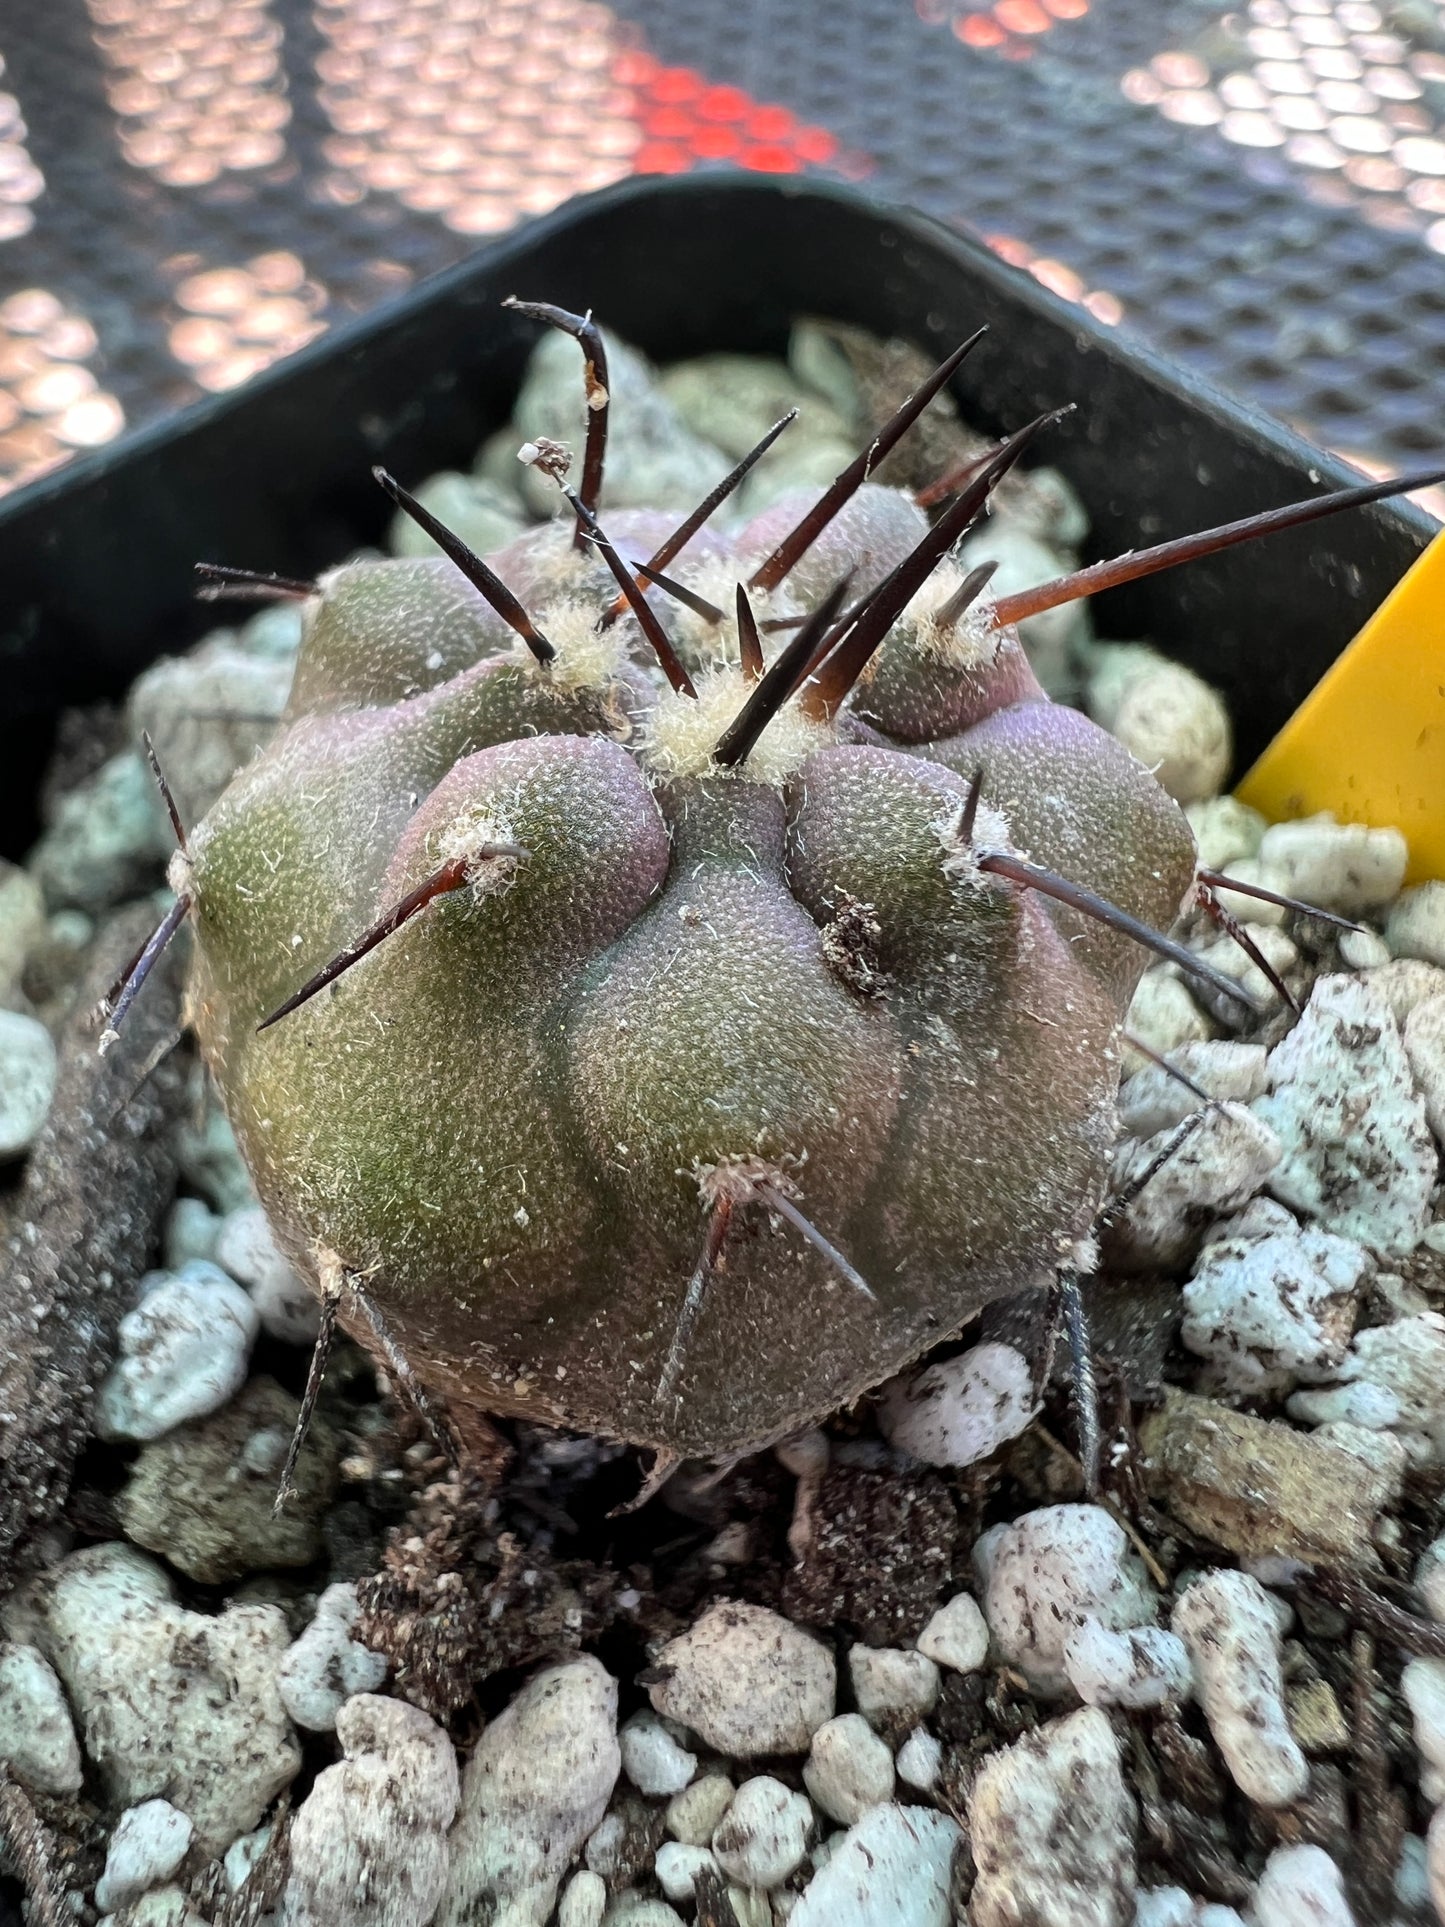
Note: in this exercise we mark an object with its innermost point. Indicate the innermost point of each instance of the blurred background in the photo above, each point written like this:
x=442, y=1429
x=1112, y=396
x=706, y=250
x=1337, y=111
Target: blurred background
x=190, y=189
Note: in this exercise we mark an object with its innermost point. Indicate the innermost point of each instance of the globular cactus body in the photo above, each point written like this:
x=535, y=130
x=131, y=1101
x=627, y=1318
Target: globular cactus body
x=665, y=1016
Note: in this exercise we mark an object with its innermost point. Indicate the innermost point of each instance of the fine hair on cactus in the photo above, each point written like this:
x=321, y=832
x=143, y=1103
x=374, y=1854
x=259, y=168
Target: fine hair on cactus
x=665, y=981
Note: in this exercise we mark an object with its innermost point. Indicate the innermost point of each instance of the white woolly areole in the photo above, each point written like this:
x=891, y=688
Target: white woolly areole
x=180, y=873
x=571, y=567
x=311, y=608
x=970, y=643
x=737, y=1179
x=682, y=733
x=467, y=836
x=586, y=659
x=716, y=578
x=325, y=581
x=1083, y=1255
x=960, y=860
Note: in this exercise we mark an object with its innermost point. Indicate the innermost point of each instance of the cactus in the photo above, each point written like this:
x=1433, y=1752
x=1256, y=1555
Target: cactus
x=636, y=1034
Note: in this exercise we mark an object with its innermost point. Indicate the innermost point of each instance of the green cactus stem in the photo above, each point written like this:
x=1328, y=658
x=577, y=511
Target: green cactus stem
x=655, y=997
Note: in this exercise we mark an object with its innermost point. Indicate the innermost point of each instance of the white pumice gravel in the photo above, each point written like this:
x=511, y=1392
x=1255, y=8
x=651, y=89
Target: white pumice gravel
x=654, y=1761
x=678, y=1867
x=1173, y=1907
x=1300, y=1886
x=1430, y=1579
x=22, y=924
x=957, y=1635
x=893, y=1869
x=751, y=1907
x=919, y=1760
x=37, y=1734
x=326, y=1666
x=1404, y=983
x=1340, y=866
x=207, y=713
x=150, y=1841
x=1230, y=1626
x=369, y=1842
x=240, y=1858
x=287, y=1306
x=1274, y=1569
x=169, y=1702
x=1359, y=1403
x=1152, y=1100
x=1392, y=1379
x=641, y=1910
x=1416, y=924
x=733, y=399
x=1145, y=1666
x=1423, y=1685
x=210, y=1157
x=274, y=632
x=692, y=1815
x=1222, y=1161
x=1365, y=1176
x=1248, y=909
x=69, y=932
x=848, y=1769
x=1280, y=952
x=807, y=1456
x=537, y=1785
x=583, y=1902
x=1226, y=831
x=106, y=840
x=892, y=1687
x=161, y=1907
x=961, y=1409
x=1162, y=713
x=1268, y=1311
x=1412, y=1877
x=1423, y=1034
x=1045, y=502
x=763, y=1836
x=747, y=1681
x=1260, y=1218
x=823, y=1852
x=1435, y=1859
x=1362, y=949
x=191, y=1230
x=1163, y=1015
x=471, y=506
x=603, y=1852
x=1382, y=1452
x=27, y=1081
x=1393, y=1296
x=183, y=1353
x=1047, y=1572
x=1052, y=1829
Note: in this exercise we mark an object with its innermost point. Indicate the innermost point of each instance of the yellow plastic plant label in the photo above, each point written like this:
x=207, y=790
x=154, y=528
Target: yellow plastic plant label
x=1368, y=743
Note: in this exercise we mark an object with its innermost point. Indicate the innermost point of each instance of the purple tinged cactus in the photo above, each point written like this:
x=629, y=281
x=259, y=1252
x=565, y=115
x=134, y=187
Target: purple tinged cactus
x=668, y=1043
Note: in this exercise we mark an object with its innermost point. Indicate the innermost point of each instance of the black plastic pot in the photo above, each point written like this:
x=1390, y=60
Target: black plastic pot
x=96, y=560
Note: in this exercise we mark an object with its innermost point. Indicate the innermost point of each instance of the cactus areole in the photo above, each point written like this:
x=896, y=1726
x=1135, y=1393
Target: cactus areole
x=696, y=1046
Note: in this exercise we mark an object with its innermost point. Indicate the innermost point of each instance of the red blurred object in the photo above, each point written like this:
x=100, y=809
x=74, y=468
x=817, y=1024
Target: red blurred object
x=686, y=120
